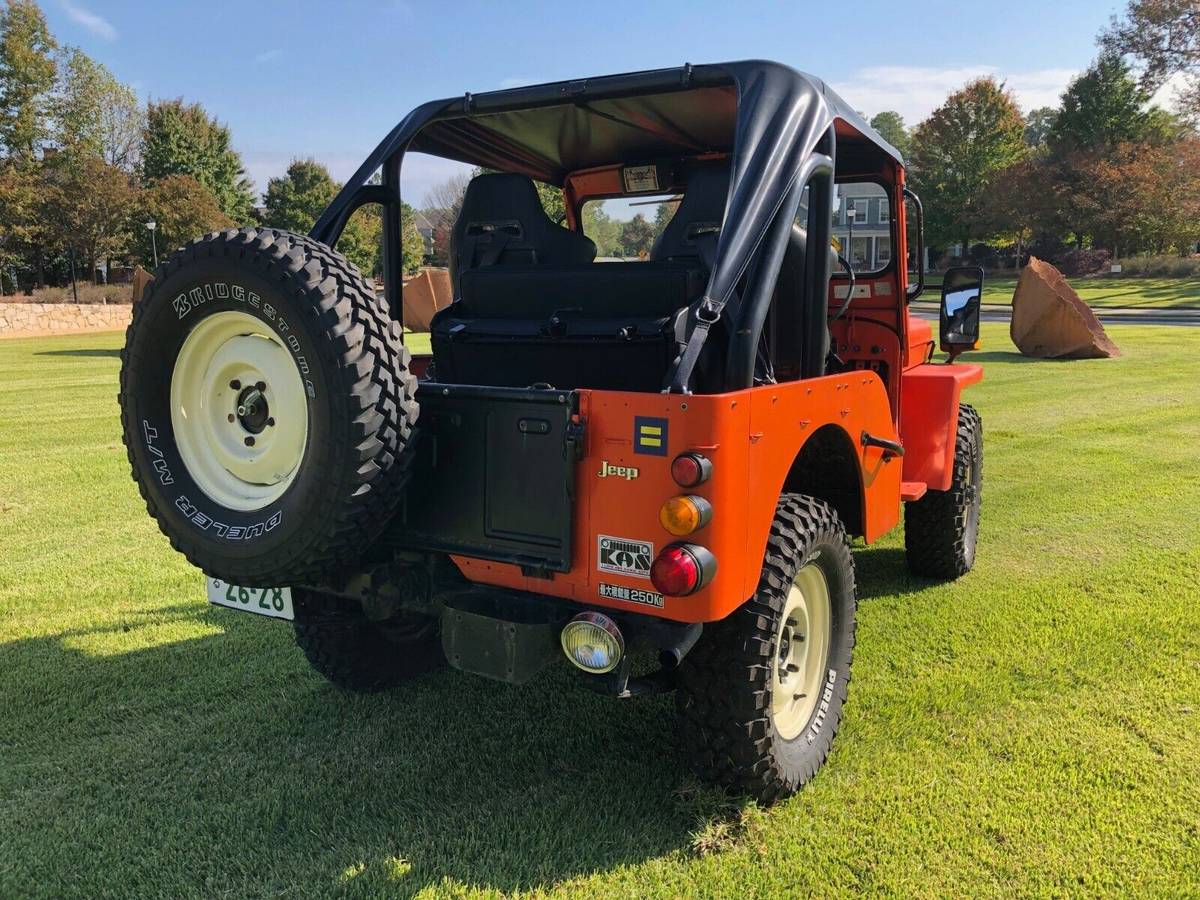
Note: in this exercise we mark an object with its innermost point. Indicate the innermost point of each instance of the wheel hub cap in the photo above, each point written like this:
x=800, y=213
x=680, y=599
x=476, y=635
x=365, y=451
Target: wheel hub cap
x=239, y=411
x=802, y=652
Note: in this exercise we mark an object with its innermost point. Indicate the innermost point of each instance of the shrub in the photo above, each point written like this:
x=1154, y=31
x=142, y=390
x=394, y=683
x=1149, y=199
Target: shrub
x=1161, y=266
x=1083, y=262
x=88, y=293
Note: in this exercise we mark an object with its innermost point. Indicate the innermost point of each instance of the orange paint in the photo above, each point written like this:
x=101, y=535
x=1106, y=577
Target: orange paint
x=752, y=438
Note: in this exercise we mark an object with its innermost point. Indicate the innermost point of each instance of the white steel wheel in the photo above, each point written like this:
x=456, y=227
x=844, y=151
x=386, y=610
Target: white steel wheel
x=802, y=652
x=239, y=411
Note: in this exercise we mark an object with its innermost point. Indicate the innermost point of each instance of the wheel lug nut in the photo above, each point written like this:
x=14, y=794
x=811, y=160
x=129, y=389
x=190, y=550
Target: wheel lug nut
x=271, y=422
x=235, y=384
x=260, y=385
x=231, y=418
x=249, y=442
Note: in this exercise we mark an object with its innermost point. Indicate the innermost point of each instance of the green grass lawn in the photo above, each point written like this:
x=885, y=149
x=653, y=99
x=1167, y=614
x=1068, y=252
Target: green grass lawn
x=1136, y=293
x=1031, y=729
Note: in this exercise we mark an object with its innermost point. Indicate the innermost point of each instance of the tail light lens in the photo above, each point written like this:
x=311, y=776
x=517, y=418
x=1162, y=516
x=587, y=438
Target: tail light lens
x=690, y=469
x=682, y=569
x=684, y=515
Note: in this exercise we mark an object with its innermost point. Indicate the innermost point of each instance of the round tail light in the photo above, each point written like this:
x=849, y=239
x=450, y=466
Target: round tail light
x=690, y=469
x=682, y=569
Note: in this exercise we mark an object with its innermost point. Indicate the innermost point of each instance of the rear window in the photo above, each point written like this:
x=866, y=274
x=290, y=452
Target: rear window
x=627, y=227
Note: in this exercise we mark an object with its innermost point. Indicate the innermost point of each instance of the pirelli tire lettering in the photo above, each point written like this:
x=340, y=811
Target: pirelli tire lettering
x=267, y=407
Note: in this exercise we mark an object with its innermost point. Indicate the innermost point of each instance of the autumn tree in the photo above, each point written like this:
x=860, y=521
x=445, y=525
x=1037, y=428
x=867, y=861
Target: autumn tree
x=27, y=71
x=183, y=209
x=891, y=127
x=182, y=139
x=21, y=226
x=956, y=154
x=1163, y=38
x=86, y=208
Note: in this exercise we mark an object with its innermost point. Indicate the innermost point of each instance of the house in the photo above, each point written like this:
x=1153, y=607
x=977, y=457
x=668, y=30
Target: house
x=869, y=239
x=425, y=227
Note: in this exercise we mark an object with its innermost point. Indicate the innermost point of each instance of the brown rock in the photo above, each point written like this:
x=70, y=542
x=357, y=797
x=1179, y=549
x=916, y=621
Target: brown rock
x=141, y=278
x=1049, y=320
x=424, y=294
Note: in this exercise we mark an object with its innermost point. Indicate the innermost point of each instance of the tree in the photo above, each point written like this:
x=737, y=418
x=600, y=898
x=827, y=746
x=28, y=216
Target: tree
x=1163, y=37
x=182, y=139
x=295, y=200
x=94, y=114
x=20, y=222
x=183, y=209
x=444, y=201
x=957, y=152
x=637, y=236
x=552, y=201
x=412, y=245
x=1038, y=124
x=890, y=125
x=27, y=70
x=86, y=209
x=1104, y=107
x=1147, y=197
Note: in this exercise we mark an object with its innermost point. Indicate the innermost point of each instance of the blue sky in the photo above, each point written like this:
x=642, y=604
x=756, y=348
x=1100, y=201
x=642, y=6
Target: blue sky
x=328, y=79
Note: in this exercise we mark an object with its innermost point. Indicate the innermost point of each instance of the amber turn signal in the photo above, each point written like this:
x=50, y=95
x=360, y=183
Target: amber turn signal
x=685, y=514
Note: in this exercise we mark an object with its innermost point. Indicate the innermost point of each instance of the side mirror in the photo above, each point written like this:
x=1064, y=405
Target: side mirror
x=962, y=296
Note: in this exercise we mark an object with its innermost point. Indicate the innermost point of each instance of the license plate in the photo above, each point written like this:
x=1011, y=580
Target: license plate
x=275, y=602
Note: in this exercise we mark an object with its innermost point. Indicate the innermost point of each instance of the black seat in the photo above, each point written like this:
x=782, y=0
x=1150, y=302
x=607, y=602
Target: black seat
x=699, y=217
x=502, y=222
x=532, y=307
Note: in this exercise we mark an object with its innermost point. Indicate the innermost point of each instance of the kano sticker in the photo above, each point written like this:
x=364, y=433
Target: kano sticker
x=624, y=557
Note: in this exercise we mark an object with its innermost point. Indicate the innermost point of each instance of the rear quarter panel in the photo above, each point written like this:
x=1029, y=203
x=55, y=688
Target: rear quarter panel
x=752, y=438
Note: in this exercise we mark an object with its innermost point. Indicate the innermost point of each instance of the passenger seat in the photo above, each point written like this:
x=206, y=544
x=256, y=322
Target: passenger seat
x=691, y=233
x=502, y=222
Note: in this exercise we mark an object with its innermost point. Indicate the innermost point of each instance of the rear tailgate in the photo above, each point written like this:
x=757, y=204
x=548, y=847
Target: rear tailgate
x=493, y=475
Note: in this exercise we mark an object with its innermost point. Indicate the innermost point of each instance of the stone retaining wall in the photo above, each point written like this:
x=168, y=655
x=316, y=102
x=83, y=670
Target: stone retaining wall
x=61, y=318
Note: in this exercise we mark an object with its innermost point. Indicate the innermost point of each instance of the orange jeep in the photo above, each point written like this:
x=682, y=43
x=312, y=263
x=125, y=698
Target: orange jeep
x=613, y=461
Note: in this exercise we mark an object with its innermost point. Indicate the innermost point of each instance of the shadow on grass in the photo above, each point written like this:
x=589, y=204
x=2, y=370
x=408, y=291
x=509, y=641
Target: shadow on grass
x=226, y=757
x=114, y=353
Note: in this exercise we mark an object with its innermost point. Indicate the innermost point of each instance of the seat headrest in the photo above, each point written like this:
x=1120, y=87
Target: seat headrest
x=701, y=211
x=502, y=222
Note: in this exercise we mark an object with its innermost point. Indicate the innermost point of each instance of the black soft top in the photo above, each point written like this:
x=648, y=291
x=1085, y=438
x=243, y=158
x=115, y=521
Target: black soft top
x=768, y=116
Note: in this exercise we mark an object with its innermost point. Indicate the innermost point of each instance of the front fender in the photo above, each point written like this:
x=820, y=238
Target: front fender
x=929, y=397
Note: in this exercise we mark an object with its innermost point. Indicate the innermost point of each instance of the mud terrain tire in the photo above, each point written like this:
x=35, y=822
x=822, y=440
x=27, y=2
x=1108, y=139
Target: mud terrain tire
x=940, y=529
x=324, y=439
x=362, y=656
x=736, y=723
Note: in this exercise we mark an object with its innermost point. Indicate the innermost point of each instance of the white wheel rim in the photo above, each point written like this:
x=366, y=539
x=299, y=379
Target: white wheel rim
x=239, y=411
x=801, y=654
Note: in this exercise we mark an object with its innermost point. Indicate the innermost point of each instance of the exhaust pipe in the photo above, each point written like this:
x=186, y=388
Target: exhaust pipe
x=672, y=655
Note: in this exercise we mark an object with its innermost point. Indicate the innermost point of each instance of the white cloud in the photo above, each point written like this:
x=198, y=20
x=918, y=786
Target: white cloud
x=96, y=24
x=915, y=91
x=1167, y=96
x=268, y=55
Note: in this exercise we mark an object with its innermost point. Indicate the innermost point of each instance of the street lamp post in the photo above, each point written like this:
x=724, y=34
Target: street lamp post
x=151, y=226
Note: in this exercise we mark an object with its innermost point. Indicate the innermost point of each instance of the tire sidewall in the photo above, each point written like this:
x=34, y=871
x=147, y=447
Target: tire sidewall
x=803, y=754
x=176, y=307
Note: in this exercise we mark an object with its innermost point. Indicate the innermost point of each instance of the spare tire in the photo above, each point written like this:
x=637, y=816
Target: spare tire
x=266, y=404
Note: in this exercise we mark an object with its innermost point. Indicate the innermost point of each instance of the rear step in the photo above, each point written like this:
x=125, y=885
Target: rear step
x=912, y=490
